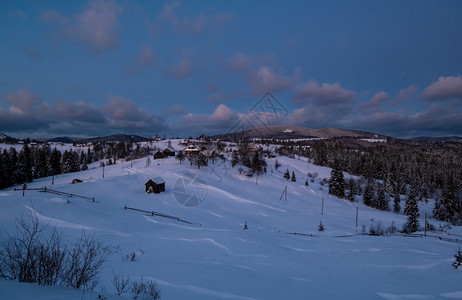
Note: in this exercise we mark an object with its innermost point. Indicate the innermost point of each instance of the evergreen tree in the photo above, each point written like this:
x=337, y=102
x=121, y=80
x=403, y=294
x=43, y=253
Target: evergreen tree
x=411, y=201
x=397, y=203
x=449, y=209
x=337, y=182
x=458, y=259
x=368, y=195
x=382, y=202
x=25, y=164
x=258, y=163
x=306, y=183
x=41, y=168
x=412, y=211
x=293, y=177
x=55, y=162
x=287, y=174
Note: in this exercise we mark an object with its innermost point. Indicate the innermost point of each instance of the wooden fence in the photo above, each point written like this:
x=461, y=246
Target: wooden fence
x=155, y=213
x=46, y=190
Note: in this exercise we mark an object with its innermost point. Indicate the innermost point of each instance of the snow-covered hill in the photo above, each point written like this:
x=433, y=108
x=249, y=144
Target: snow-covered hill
x=214, y=258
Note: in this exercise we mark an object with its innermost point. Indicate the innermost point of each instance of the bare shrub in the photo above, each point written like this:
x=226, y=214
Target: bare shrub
x=28, y=257
x=84, y=263
x=145, y=290
x=120, y=283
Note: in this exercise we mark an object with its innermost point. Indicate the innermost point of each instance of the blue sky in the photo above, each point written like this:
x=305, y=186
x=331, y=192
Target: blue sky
x=86, y=68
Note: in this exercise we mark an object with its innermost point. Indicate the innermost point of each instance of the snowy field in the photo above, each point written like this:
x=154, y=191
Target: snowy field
x=214, y=258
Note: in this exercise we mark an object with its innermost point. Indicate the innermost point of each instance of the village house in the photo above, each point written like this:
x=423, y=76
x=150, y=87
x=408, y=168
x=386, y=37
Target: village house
x=159, y=155
x=169, y=151
x=191, y=149
x=155, y=185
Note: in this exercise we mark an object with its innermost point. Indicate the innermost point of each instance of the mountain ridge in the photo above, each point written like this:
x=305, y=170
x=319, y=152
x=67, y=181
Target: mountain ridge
x=297, y=132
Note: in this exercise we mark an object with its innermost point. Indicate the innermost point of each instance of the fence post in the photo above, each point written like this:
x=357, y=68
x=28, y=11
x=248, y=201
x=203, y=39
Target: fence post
x=93, y=199
x=322, y=206
x=356, y=217
x=125, y=207
x=425, y=227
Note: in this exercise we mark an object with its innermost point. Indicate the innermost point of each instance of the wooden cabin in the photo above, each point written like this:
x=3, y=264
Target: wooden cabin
x=159, y=155
x=169, y=151
x=155, y=185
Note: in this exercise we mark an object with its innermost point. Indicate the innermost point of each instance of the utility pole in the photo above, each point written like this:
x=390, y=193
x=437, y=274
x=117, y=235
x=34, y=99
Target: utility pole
x=322, y=206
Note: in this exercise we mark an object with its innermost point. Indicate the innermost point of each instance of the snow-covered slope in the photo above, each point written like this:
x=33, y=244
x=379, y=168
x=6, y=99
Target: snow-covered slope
x=214, y=258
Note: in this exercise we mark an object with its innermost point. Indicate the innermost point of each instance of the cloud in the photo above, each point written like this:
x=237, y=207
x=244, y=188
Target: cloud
x=96, y=27
x=17, y=14
x=79, y=111
x=326, y=94
x=404, y=95
x=145, y=59
x=27, y=113
x=437, y=120
x=243, y=63
x=219, y=121
x=375, y=103
x=265, y=79
x=183, y=70
x=445, y=88
x=218, y=96
x=51, y=16
x=190, y=25
x=23, y=101
x=174, y=110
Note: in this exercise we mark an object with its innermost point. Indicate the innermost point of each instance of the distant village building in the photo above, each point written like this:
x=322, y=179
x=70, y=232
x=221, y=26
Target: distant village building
x=169, y=151
x=191, y=149
x=155, y=185
x=159, y=155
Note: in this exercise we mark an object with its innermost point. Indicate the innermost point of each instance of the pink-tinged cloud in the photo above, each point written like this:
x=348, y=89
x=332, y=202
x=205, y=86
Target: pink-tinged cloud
x=52, y=16
x=405, y=95
x=219, y=121
x=78, y=111
x=23, y=100
x=376, y=101
x=190, y=25
x=183, y=70
x=27, y=113
x=182, y=25
x=243, y=63
x=445, y=88
x=219, y=96
x=174, y=110
x=265, y=79
x=96, y=27
x=145, y=59
x=325, y=94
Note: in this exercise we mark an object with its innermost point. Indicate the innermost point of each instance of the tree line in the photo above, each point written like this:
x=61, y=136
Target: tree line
x=31, y=162
x=388, y=170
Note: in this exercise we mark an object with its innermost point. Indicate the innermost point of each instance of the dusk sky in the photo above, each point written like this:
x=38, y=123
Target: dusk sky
x=180, y=68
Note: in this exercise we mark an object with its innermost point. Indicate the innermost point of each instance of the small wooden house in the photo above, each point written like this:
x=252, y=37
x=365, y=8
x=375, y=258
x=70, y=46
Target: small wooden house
x=159, y=155
x=169, y=151
x=191, y=149
x=155, y=185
